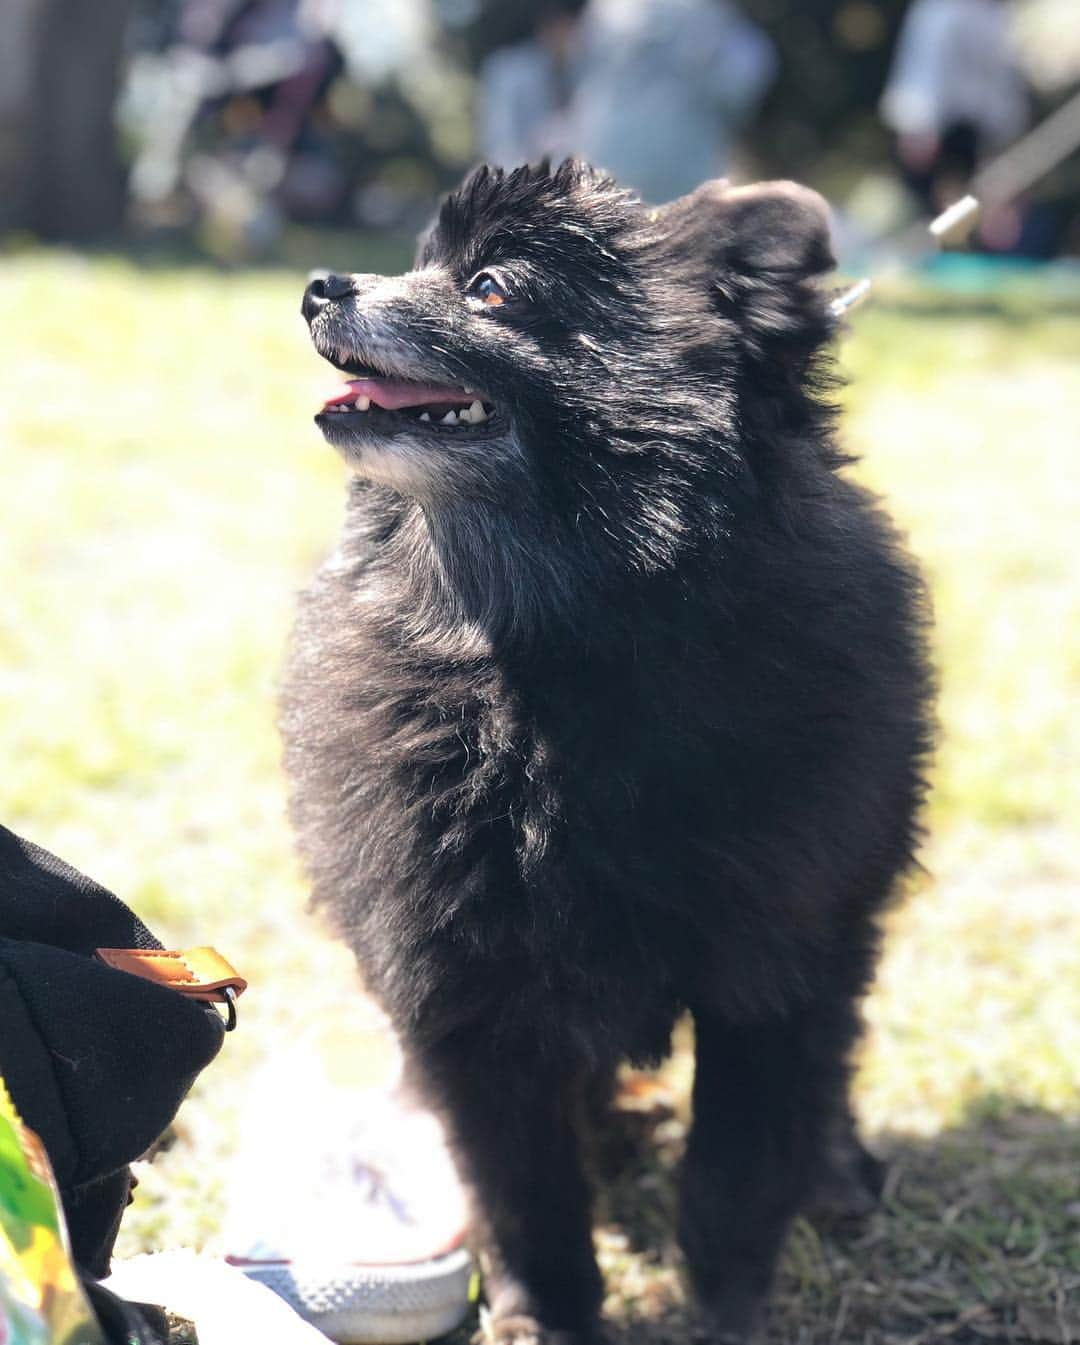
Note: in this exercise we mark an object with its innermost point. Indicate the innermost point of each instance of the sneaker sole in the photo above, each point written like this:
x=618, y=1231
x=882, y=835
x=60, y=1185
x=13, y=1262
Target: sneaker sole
x=360, y=1305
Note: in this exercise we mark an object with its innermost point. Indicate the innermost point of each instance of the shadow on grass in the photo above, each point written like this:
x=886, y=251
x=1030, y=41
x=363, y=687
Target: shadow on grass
x=977, y=1239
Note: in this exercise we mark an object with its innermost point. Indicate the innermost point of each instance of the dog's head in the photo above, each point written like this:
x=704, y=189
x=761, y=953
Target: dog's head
x=562, y=342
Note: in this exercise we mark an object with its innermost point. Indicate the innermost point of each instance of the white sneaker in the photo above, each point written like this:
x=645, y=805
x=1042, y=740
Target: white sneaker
x=344, y=1200
x=388, y=1304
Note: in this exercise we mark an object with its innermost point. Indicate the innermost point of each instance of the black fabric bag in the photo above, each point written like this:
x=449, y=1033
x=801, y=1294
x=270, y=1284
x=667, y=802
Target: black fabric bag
x=96, y=1060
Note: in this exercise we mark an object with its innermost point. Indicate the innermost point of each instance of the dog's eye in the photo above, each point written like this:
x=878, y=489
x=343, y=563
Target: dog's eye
x=488, y=290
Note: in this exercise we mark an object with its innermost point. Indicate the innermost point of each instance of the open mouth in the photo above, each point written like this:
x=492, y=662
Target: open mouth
x=375, y=401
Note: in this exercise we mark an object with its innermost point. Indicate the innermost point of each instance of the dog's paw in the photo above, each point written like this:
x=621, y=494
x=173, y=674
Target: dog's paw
x=508, y=1331
x=735, y=1316
x=849, y=1188
x=840, y=1198
x=522, y=1330
x=723, y=1333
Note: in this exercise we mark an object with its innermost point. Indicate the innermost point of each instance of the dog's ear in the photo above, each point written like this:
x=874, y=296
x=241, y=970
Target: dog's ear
x=770, y=228
x=757, y=252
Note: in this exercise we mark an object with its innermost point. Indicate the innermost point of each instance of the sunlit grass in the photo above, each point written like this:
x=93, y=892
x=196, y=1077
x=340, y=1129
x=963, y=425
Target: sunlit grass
x=968, y=425
x=165, y=494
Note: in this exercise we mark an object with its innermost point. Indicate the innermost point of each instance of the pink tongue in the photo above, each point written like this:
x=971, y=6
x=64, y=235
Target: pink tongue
x=392, y=394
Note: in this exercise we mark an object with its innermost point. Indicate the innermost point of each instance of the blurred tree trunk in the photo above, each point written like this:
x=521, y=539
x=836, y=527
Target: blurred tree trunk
x=60, y=175
x=18, y=23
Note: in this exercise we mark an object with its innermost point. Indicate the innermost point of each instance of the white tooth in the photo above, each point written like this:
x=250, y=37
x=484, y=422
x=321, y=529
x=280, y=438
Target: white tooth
x=449, y=419
x=424, y=415
x=362, y=403
x=477, y=414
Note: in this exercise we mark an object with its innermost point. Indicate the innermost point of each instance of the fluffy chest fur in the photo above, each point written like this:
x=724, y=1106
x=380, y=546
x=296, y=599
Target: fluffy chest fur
x=665, y=792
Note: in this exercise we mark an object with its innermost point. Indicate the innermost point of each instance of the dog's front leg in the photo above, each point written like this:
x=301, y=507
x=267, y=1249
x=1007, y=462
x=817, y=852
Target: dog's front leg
x=764, y=1094
x=513, y=1127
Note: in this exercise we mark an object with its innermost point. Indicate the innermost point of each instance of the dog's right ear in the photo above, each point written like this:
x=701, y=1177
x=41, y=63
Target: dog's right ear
x=759, y=250
x=778, y=228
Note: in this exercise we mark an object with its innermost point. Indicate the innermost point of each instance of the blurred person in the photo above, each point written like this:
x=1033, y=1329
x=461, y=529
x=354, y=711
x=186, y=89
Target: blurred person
x=292, y=30
x=954, y=95
x=524, y=91
x=233, y=124
x=663, y=88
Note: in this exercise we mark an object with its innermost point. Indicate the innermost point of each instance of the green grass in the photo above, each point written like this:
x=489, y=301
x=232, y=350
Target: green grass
x=165, y=495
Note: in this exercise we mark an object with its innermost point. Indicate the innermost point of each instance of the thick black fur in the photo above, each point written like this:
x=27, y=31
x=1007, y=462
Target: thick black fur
x=618, y=710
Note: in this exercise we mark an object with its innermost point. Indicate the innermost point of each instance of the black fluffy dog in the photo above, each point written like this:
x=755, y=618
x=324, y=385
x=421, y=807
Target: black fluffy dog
x=611, y=703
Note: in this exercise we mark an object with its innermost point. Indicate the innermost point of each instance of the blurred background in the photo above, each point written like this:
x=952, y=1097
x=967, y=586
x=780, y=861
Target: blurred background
x=169, y=171
x=221, y=124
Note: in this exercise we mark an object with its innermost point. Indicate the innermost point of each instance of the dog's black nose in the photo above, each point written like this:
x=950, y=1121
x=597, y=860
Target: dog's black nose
x=324, y=288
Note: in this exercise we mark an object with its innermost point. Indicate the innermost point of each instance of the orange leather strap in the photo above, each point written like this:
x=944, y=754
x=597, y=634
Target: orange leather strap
x=198, y=973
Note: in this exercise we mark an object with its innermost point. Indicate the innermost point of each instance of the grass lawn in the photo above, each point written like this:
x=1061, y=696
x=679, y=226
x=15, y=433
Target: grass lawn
x=165, y=494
